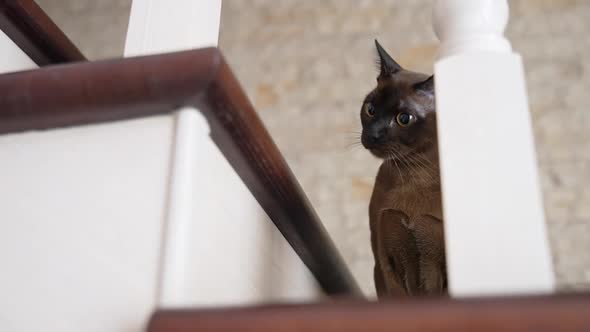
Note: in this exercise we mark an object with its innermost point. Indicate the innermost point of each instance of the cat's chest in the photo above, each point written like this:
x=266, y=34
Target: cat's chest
x=414, y=199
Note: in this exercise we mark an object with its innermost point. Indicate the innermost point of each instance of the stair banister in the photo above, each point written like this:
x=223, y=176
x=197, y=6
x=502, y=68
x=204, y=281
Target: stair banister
x=29, y=38
x=36, y=102
x=495, y=231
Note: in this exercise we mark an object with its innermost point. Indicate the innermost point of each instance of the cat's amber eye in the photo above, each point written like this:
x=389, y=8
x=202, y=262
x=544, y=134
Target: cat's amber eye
x=369, y=110
x=404, y=119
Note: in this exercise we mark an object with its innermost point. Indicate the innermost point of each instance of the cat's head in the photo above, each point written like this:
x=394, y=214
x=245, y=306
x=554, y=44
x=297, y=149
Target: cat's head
x=398, y=116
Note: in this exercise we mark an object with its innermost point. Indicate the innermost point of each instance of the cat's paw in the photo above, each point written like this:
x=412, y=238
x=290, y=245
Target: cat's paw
x=429, y=235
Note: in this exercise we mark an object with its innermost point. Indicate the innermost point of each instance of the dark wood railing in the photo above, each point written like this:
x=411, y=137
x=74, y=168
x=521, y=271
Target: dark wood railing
x=560, y=313
x=93, y=92
x=34, y=32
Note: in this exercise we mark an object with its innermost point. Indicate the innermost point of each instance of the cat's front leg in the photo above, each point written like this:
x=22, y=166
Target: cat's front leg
x=379, y=280
x=397, y=254
x=429, y=234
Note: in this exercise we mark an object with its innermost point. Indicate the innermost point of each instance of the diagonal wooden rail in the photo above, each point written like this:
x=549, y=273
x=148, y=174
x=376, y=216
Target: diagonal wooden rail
x=93, y=92
x=36, y=34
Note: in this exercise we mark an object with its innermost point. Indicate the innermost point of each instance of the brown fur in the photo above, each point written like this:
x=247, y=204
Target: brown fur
x=405, y=210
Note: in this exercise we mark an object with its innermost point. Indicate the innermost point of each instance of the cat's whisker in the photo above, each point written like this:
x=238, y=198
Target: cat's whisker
x=353, y=145
x=393, y=156
x=421, y=157
x=413, y=168
x=421, y=165
x=352, y=137
x=389, y=162
x=353, y=134
x=355, y=142
x=424, y=172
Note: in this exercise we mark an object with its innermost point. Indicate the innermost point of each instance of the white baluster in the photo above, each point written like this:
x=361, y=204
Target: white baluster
x=219, y=246
x=465, y=26
x=160, y=26
x=494, y=224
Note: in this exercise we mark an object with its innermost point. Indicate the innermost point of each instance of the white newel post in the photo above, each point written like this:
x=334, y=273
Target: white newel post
x=494, y=223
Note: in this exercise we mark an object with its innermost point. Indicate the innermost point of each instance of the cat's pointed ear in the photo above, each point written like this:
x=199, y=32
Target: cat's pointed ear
x=426, y=86
x=387, y=65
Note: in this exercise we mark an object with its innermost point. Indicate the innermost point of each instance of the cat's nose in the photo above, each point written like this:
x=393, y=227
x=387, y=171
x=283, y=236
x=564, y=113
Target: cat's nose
x=377, y=136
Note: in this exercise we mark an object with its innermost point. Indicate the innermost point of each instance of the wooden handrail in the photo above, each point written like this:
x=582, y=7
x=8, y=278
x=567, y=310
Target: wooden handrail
x=560, y=313
x=93, y=92
x=35, y=33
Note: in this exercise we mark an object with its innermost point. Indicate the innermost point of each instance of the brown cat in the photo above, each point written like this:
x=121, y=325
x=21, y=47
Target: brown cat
x=399, y=126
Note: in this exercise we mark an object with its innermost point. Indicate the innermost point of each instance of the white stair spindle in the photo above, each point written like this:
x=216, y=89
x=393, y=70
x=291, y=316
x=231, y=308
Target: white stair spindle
x=494, y=223
x=219, y=247
x=160, y=26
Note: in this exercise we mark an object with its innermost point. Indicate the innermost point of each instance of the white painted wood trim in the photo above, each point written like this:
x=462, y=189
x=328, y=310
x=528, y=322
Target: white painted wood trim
x=12, y=58
x=494, y=222
x=160, y=26
x=80, y=225
x=189, y=123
